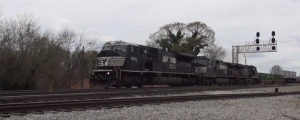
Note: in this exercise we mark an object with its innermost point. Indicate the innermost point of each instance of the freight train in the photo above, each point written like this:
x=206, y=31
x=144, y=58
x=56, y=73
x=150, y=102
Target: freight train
x=123, y=64
x=298, y=79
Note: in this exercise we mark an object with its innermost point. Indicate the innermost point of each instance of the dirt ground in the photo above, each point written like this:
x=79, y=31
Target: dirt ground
x=86, y=85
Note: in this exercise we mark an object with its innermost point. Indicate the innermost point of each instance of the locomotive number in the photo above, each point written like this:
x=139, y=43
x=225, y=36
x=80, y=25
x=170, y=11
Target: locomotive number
x=172, y=66
x=134, y=59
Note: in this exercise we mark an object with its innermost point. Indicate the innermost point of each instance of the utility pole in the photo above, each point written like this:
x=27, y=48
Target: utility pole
x=82, y=67
x=254, y=47
x=245, y=59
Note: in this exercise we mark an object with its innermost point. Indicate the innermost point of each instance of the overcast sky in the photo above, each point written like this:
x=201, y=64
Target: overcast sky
x=234, y=21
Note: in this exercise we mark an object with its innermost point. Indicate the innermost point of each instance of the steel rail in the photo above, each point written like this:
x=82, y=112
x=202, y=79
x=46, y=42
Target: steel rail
x=25, y=107
x=62, y=91
x=34, y=92
x=109, y=94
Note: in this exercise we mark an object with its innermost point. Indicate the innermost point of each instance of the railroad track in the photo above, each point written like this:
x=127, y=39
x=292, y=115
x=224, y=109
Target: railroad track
x=40, y=107
x=74, y=95
x=56, y=91
x=64, y=91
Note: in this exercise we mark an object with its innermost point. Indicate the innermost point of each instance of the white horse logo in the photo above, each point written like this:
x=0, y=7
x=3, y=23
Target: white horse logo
x=105, y=61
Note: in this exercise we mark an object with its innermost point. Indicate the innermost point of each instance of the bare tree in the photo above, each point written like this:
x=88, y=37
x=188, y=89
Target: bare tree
x=214, y=52
x=27, y=50
x=276, y=69
x=181, y=37
x=74, y=60
x=40, y=59
x=167, y=36
x=201, y=32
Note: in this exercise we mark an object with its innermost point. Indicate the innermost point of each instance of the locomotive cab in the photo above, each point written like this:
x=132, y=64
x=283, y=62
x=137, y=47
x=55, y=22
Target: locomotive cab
x=253, y=73
x=112, y=54
x=114, y=57
x=200, y=64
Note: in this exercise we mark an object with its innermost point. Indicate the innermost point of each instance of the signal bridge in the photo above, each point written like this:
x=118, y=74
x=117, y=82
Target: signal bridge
x=254, y=47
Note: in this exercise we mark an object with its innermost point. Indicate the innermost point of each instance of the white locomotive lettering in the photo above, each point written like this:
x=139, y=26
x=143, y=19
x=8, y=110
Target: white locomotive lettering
x=172, y=66
x=200, y=69
x=134, y=59
x=111, y=61
x=169, y=59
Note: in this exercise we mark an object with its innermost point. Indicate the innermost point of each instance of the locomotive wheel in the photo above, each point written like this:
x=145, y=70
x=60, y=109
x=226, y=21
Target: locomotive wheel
x=128, y=86
x=118, y=86
x=139, y=86
x=92, y=84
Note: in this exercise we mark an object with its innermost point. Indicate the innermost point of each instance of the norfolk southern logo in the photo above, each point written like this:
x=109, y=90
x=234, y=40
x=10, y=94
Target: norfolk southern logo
x=105, y=61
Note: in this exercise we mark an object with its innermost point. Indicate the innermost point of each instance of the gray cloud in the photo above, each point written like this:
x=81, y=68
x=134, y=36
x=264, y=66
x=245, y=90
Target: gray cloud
x=297, y=38
x=234, y=21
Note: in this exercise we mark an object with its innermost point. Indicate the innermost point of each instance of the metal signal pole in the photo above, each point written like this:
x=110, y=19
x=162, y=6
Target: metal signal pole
x=254, y=47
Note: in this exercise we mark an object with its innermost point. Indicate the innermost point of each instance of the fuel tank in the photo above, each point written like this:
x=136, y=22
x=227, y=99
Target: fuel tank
x=166, y=80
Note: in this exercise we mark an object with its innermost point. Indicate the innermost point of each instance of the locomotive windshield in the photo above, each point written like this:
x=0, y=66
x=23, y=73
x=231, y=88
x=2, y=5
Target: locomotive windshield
x=202, y=61
x=116, y=45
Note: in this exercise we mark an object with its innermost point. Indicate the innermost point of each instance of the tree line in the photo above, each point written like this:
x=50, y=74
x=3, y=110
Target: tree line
x=33, y=58
x=276, y=70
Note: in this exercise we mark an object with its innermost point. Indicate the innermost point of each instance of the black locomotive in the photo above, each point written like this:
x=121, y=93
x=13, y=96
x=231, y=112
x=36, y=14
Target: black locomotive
x=125, y=64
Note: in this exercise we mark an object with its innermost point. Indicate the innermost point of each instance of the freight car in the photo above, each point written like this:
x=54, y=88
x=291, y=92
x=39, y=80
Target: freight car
x=289, y=76
x=267, y=78
x=126, y=64
x=298, y=79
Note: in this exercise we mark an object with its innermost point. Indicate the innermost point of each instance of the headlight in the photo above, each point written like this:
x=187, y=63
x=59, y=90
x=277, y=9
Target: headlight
x=107, y=73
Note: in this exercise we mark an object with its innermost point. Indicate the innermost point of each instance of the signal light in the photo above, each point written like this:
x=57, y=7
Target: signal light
x=273, y=33
x=273, y=40
x=257, y=41
x=273, y=47
x=257, y=48
x=257, y=34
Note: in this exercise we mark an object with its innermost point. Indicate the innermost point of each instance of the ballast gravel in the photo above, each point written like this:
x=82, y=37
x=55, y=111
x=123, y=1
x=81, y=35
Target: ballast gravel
x=268, y=108
x=250, y=90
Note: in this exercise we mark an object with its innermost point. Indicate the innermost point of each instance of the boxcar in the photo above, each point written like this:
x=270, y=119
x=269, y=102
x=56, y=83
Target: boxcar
x=290, y=76
x=267, y=78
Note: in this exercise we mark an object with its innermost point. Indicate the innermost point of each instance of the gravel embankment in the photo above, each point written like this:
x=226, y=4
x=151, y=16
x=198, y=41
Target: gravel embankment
x=252, y=90
x=271, y=108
